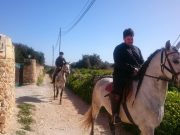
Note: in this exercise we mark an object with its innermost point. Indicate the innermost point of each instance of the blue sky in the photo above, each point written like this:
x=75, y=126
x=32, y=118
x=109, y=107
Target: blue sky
x=36, y=23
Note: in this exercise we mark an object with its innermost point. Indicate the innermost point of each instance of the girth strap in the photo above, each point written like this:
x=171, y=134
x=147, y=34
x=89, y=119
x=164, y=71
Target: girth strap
x=128, y=113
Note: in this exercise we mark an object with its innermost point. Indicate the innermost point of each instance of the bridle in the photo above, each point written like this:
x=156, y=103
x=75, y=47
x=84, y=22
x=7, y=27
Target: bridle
x=169, y=69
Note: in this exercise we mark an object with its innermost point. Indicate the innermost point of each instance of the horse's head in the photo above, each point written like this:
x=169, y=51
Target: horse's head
x=170, y=63
x=66, y=68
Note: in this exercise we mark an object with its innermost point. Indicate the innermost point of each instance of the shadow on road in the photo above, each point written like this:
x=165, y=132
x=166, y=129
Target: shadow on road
x=23, y=99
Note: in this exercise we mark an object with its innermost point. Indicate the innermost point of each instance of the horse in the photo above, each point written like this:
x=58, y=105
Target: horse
x=60, y=81
x=145, y=105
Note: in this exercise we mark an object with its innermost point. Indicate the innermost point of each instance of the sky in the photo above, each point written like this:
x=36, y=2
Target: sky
x=36, y=23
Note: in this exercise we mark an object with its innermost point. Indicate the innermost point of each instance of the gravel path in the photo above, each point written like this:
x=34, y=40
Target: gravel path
x=52, y=118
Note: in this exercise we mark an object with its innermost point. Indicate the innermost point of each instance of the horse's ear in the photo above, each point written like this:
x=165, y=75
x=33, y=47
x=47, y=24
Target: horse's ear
x=168, y=45
x=178, y=45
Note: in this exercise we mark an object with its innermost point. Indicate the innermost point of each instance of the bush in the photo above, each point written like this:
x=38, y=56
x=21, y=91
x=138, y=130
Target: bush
x=40, y=79
x=81, y=81
x=171, y=121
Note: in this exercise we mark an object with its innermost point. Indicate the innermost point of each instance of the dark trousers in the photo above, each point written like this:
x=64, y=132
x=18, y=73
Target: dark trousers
x=56, y=71
x=117, y=95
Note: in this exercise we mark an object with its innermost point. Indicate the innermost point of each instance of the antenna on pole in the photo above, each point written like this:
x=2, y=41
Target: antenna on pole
x=60, y=39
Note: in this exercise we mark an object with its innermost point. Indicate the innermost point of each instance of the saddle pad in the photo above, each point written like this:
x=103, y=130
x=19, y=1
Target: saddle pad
x=109, y=87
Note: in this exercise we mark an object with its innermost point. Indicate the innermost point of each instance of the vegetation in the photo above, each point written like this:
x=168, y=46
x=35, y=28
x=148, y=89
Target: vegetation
x=81, y=82
x=23, y=52
x=40, y=79
x=91, y=62
x=25, y=116
x=20, y=132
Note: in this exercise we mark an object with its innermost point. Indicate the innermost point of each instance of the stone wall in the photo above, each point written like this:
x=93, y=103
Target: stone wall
x=39, y=70
x=31, y=71
x=7, y=81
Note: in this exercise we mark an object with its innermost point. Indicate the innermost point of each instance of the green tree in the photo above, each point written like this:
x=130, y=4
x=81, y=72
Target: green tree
x=91, y=61
x=23, y=52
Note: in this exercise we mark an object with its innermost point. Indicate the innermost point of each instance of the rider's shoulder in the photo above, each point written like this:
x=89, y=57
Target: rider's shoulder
x=120, y=46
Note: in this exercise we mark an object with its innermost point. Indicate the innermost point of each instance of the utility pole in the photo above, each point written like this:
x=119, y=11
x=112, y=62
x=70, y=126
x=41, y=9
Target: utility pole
x=52, y=55
x=60, y=39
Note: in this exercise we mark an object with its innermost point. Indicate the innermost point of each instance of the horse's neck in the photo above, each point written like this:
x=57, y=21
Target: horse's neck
x=151, y=88
x=62, y=75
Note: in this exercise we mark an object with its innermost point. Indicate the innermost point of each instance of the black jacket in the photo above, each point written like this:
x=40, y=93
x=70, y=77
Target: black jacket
x=126, y=58
x=60, y=61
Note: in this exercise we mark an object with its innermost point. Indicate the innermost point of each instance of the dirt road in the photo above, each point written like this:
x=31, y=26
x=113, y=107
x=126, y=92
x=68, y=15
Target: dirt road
x=52, y=118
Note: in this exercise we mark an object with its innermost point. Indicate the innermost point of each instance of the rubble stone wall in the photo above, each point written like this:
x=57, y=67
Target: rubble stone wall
x=7, y=81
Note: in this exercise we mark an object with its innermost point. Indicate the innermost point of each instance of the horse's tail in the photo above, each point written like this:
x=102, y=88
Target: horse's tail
x=88, y=119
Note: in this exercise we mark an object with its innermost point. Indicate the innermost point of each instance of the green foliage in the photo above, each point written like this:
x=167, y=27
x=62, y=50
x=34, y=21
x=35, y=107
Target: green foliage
x=81, y=82
x=92, y=62
x=23, y=52
x=40, y=79
x=20, y=132
x=25, y=115
x=171, y=121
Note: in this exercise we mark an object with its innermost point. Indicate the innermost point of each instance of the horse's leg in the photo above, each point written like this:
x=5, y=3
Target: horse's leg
x=111, y=125
x=147, y=131
x=61, y=96
x=57, y=92
x=95, y=112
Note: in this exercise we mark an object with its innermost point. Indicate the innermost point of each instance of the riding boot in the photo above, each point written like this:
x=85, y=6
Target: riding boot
x=115, y=106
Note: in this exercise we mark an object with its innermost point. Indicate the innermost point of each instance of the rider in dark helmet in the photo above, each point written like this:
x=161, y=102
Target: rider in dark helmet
x=60, y=61
x=127, y=61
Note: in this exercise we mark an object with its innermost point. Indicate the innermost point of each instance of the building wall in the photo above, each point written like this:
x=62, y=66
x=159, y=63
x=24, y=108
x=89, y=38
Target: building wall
x=7, y=81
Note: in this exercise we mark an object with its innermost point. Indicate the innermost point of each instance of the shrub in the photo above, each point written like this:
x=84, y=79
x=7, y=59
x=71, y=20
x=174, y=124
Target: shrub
x=171, y=121
x=81, y=81
x=40, y=79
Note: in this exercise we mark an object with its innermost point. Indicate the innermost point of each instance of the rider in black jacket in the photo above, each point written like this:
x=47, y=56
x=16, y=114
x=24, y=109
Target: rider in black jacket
x=127, y=60
x=60, y=61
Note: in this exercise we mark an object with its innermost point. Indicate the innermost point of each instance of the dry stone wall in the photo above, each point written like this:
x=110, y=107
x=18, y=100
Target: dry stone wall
x=31, y=71
x=7, y=81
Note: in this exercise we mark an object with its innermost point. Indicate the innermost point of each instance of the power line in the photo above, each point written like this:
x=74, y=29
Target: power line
x=82, y=10
x=80, y=18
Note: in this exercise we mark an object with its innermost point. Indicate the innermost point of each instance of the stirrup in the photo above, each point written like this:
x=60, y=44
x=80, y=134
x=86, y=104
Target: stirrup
x=116, y=120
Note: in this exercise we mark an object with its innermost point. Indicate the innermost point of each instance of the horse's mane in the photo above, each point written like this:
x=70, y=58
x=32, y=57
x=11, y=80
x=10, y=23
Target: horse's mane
x=144, y=67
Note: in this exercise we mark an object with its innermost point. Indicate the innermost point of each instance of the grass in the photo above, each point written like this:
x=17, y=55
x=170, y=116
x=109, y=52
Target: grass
x=40, y=80
x=25, y=117
x=20, y=132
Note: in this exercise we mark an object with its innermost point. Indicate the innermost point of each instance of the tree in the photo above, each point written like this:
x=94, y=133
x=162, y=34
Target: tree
x=91, y=61
x=23, y=52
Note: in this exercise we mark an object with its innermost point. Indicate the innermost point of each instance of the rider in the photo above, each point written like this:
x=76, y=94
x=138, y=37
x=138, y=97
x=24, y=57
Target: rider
x=127, y=60
x=60, y=61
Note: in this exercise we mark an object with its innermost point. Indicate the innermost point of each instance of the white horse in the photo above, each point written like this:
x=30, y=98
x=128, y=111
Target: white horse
x=60, y=81
x=147, y=107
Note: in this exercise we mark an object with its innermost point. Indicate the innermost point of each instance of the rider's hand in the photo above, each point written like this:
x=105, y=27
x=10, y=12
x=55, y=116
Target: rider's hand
x=135, y=71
